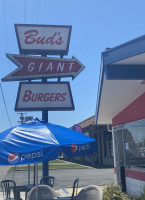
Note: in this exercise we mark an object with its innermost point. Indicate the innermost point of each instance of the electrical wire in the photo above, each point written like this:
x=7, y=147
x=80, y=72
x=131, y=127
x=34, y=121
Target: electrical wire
x=7, y=43
x=25, y=11
x=6, y=32
x=5, y=105
x=37, y=13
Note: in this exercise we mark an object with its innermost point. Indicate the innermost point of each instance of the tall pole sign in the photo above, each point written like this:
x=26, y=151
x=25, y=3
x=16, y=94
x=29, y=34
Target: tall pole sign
x=43, y=96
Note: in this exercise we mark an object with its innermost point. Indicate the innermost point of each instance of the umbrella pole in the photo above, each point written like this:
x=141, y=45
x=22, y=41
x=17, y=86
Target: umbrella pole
x=36, y=175
x=28, y=173
x=45, y=168
x=45, y=118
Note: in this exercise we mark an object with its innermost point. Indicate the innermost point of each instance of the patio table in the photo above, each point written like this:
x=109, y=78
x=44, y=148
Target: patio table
x=17, y=191
x=61, y=194
x=25, y=188
x=29, y=186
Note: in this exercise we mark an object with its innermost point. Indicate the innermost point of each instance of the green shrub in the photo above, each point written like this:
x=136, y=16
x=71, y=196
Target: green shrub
x=112, y=192
x=142, y=197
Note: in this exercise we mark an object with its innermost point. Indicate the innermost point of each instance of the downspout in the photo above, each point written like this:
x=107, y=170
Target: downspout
x=109, y=130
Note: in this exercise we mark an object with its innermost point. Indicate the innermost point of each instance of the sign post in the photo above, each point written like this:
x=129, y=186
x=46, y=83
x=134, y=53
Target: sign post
x=45, y=168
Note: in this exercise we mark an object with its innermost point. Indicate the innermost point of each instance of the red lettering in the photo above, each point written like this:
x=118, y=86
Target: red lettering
x=32, y=36
x=50, y=39
x=36, y=97
x=27, y=95
x=41, y=40
x=57, y=96
x=63, y=96
x=52, y=97
x=29, y=36
x=40, y=97
x=59, y=40
x=46, y=97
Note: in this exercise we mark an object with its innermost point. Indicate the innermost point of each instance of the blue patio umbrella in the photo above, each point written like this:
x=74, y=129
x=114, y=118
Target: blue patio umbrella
x=37, y=141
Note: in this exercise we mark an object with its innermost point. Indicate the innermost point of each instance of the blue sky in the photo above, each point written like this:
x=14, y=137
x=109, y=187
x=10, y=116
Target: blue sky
x=96, y=24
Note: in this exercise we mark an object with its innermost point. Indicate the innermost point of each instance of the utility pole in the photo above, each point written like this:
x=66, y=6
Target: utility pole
x=21, y=117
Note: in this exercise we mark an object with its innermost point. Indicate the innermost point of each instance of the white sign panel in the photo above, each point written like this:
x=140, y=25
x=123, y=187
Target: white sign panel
x=139, y=136
x=126, y=146
x=43, y=39
x=38, y=96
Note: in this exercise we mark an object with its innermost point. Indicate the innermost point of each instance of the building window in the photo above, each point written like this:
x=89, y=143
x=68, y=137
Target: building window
x=134, y=143
x=86, y=133
x=108, y=145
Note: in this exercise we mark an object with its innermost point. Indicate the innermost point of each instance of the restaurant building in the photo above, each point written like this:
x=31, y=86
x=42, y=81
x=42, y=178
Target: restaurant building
x=104, y=157
x=121, y=102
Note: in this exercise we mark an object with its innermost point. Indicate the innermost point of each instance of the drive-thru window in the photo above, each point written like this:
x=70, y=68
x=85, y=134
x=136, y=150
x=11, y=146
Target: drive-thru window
x=121, y=102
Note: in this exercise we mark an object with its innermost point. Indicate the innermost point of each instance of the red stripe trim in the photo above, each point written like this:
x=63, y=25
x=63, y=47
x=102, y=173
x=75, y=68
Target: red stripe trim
x=115, y=172
x=138, y=175
x=133, y=112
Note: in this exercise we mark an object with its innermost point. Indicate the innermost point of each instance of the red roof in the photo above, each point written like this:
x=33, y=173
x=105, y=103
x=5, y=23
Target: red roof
x=87, y=122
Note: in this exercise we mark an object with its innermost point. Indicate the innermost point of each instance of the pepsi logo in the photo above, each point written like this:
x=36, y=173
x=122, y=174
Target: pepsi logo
x=74, y=148
x=13, y=158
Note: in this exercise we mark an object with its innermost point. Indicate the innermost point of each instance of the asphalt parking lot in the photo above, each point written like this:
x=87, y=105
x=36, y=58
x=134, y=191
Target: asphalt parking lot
x=65, y=177
x=91, y=176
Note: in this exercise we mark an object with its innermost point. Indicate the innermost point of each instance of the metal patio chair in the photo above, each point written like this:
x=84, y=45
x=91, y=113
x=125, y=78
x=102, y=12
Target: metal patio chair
x=44, y=192
x=47, y=180
x=6, y=185
x=75, y=188
x=74, y=192
x=91, y=192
